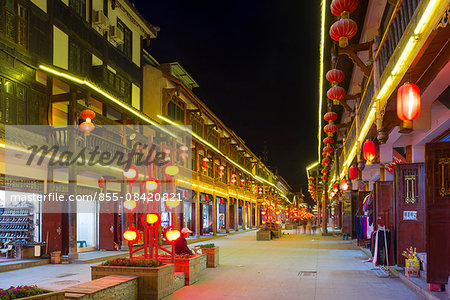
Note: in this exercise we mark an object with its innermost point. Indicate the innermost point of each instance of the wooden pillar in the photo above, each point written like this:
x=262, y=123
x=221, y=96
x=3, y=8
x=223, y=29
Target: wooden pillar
x=214, y=213
x=198, y=217
x=236, y=214
x=227, y=215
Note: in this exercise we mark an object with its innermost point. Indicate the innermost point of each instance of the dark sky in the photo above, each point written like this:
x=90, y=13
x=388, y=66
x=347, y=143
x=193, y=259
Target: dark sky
x=257, y=66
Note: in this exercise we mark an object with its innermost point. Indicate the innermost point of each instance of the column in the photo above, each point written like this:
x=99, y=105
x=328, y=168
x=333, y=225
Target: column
x=198, y=217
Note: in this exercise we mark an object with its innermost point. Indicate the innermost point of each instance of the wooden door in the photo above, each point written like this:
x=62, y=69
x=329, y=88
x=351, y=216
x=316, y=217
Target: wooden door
x=438, y=211
x=409, y=208
x=384, y=210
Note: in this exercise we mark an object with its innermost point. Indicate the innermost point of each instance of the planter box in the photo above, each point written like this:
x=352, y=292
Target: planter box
x=58, y=295
x=153, y=283
x=213, y=256
x=189, y=266
x=276, y=232
x=263, y=235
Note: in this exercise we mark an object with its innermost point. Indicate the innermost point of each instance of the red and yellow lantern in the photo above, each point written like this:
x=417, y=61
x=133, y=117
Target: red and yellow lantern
x=369, y=151
x=343, y=30
x=408, y=104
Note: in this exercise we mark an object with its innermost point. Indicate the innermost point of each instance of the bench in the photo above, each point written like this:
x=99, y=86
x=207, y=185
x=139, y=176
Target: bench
x=108, y=287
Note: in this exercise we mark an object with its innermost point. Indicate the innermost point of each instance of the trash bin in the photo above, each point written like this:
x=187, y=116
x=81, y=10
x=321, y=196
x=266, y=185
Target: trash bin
x=55, y=257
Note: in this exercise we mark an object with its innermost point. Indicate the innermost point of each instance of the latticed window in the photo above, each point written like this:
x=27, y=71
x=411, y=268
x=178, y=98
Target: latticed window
x=213, y=138
x=79, y=6
x=13, y=99
x=197, y=125
x=175, y=110
x=126, y=46
x=78, y=59
x=13, y=22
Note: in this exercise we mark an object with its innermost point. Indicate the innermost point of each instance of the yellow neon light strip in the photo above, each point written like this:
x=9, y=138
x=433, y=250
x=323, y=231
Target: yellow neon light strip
x=100, y=91
x=321, y=72
x=213, y=190
x=312, y=165
x=220, y=152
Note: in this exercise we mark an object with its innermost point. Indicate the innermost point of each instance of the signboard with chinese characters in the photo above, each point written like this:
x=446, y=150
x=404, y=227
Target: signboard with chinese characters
x=409, y=215
x=397, y=158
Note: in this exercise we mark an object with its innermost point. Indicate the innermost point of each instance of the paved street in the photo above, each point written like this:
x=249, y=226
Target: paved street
x=250, y=269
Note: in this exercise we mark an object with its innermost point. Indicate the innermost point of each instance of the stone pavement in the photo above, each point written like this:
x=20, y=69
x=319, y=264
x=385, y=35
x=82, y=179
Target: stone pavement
x=293, y=267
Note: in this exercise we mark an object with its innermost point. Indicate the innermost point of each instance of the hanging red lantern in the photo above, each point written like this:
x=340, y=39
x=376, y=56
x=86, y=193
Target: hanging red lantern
x=328, y=140
x=131, y=235
x=206, y=198
x=408, y=104
x=171, y=235
x=352, y=173
x=335, y=76
x=242, y=182
x=324, y=171
x=205, y=163
x=330, y=128
x=335, y=188
x=331, y=116
x=324, y=178
x=101, y=182
x=184, y=152
x=342, y=8
x=343, y=30
x=87, y=114
x=326, y=161
x=311, y=178
x=344, y=185
x=336, y=93
x=87, y=127
x=233, y=178
x=220, y=173
x=369, y=151
x=328, y=149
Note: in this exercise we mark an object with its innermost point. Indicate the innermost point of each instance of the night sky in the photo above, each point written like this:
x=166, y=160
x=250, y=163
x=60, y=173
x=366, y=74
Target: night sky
x=257, y=65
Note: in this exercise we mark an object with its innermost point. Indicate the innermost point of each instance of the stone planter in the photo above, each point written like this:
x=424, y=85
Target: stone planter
x=203, y=261
x=58, y=295
x=213, y=256
x=189, y=266
x=153, y=283
x=263, y=235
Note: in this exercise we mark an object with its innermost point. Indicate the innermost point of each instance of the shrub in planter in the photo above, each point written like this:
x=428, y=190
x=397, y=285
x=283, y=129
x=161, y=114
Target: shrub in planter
x=127, y=262
x=155, y=278
x=20, y=292
x=213, y=254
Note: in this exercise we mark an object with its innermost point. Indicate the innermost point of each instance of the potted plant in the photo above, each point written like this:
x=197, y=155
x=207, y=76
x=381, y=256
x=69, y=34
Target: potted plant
x=412, y=264
x=30, y=292
x=188, y=264
x=155, y=278
x=213, y=254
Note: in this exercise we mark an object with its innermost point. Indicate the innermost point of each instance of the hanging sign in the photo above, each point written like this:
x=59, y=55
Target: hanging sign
x=397, y=158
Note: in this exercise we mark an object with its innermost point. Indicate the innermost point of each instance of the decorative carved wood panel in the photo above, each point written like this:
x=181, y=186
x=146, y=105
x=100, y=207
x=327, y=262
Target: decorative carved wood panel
x=438, y=211
x=410, y=208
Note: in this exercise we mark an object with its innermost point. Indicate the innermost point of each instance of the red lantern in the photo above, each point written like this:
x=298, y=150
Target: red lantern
x=331, y=116
x=324, y=171
x=343, y=7
x=101, y=182
x=131, y=235
x=328, y=149
x=343, y=30
x=330, y=128
x=408, y=103
x=335, y=188
x=205, y=163
x=344, y=185
x=335, y=76
x=172, y=235
x=311, y=178
x=324, y=178
x=336, y=93
x=263, y=212
x=328, y=140
x=87, y=127
x=326, y=161
x=369, y=151
x=152, y=219
x=352, y=173
x=87, y=114
x=233, y=178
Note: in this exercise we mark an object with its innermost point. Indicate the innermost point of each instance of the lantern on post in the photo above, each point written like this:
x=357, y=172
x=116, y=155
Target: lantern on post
x=408, y=104
x=369, y=151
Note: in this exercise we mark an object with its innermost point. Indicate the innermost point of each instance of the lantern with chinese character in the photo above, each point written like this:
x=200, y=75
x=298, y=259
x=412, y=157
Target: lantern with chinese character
x=408, y=104
x=369, y=151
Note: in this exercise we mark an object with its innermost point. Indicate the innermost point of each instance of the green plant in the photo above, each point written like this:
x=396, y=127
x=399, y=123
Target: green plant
x=45, y=255
x=207, y=245
x=127, y=262
x=20, y=292
x=410, y=253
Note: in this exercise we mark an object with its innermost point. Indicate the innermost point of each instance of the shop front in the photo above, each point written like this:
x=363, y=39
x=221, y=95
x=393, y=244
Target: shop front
x=221, y=207
x=206, y=214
